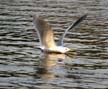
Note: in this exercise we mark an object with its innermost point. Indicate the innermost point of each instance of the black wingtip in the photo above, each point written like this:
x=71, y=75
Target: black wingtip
x=79, y=20
x=60, y=42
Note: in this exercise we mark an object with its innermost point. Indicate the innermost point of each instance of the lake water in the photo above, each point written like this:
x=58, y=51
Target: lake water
x=23, y=66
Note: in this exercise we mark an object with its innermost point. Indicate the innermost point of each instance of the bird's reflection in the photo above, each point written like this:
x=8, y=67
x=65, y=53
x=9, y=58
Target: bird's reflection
x=51, y=65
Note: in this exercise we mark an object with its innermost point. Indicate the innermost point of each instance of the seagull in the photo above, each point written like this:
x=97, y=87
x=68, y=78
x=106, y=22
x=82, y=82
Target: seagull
x=46, y=35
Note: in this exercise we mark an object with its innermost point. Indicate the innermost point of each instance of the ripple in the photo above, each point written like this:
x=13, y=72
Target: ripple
x=22, y=65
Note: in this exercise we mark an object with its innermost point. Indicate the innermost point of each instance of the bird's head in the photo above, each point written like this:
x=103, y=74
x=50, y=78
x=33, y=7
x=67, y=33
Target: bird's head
x=63, y=49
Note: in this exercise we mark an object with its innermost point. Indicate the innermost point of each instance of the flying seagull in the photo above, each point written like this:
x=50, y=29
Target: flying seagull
x=46, y=37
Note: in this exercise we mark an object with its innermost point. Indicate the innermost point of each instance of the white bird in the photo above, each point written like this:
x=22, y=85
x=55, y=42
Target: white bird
x=46, y=37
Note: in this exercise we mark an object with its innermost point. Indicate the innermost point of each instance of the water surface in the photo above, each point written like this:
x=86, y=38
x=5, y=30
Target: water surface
x=22, y=65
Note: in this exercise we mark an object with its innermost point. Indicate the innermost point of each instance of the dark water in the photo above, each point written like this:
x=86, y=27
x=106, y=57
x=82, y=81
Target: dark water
x=22, y=66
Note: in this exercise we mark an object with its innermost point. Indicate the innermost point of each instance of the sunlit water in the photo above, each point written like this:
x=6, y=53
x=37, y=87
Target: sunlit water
x=23, y=66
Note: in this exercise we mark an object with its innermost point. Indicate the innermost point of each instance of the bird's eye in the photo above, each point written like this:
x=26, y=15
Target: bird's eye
x=66, y=48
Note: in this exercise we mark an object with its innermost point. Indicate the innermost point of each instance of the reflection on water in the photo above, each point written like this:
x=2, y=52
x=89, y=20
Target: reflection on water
x=52, y=65
x=22, y=65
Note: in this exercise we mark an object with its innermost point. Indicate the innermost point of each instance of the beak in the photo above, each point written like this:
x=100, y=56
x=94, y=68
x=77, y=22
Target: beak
x=71, y=50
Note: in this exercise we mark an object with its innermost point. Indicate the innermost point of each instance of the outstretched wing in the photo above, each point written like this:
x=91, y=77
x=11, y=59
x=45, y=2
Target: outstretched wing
x=60, y=41
x=45, y=33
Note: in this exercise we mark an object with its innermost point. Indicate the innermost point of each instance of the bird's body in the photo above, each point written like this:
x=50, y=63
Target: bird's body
x=46, y=36
x=55, y=49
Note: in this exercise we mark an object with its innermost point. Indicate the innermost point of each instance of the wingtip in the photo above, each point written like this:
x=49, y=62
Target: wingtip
x=37, y=17
x=85, y=15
